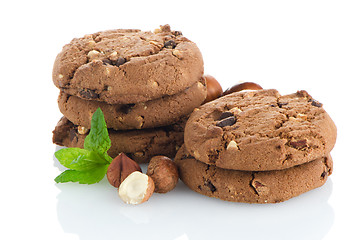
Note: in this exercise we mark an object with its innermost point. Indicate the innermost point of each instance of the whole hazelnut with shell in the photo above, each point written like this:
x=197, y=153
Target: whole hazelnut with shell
x=214, y=89
x=242, y=86
x=164, y=173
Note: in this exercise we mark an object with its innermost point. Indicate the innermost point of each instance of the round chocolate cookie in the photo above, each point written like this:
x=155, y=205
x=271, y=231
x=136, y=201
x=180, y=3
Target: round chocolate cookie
x=154, y=113
x=251, y=186
x=127, y=66
x=140, y=145
x=260, y=131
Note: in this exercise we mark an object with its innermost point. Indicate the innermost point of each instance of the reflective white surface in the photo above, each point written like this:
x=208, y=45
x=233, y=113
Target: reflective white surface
x=182, y=213
x=96, y=211
x=282, y=44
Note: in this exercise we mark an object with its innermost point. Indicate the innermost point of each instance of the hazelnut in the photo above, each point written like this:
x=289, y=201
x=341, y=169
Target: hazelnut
x=136, y=188
x=242, y=86
x=93, y=54
x=82, y=130
x=214, y=89
x=164, y=173
x=177, y=53
x=120, y=168
x=232, y=145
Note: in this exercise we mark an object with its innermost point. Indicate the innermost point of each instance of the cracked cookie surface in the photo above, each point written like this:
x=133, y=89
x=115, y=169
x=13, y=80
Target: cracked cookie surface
x=252, y=186
x=154, y=113
x=140, y=145
x=260, y=131
x=128, y=66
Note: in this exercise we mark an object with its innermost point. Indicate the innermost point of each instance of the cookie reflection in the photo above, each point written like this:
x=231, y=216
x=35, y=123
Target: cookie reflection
x=96, y=212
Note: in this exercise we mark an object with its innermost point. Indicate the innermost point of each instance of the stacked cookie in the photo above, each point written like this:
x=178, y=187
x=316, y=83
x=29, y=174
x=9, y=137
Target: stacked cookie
x=146, y=84
x=257, y=147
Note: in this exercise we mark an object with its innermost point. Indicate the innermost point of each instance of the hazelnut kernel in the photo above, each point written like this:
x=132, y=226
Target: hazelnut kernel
x=157, y=30
x=114, y=54
x=82, y=130
x=136, y=188
x=93, y=54
x=177, y=53
x=232, y=145
x=91, y=43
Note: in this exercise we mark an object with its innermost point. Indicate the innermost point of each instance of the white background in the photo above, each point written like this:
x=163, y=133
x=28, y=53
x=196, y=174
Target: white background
x=288, y=45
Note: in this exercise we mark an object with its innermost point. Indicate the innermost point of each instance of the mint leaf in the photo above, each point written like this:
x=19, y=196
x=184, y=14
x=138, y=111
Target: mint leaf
x=98, y=138
x=79, y=159
x=88, y=165
x=84, y=177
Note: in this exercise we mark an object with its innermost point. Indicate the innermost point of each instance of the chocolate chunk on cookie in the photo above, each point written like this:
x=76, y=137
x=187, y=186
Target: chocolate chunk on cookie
x=140, y=145
x=260, y=131
x=252, y=186
x=154, y=113
x=128, y=66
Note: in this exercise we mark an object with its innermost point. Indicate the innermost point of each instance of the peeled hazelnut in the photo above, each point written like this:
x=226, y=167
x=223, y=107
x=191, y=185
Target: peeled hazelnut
x=120, y=168
x=242, y=86
x=82, y=130
x=214, y=89
x=136, y=188
x=164, y=173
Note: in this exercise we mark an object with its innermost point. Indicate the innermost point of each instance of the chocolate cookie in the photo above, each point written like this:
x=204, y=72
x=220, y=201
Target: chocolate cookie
x=260, y=130
x=127, y=66
x=154, y=113
x=251, y=186
x=140, y=145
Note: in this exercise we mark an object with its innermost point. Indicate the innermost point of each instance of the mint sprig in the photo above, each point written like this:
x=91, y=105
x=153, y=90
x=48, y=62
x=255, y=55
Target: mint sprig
x=88, y=165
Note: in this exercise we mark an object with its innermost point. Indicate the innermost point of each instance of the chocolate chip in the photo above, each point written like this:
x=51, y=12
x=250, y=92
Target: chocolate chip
x=73, y=135
x=177, y=33
x=170, y=44
x=88, y=93
x=125, y=108
x=210, y=185
x=107, y=61
x=120, y=61
x=258, y=184
x=185, y=156
x=300, y=144
x=282, y=104
x=316, y=104
x=324, y=174
x=226, y=115
x=226, y=122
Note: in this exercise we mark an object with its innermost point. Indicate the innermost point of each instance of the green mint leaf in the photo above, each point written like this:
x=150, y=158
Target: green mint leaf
x=84, y=177
x=98, y=138
x=79, y=159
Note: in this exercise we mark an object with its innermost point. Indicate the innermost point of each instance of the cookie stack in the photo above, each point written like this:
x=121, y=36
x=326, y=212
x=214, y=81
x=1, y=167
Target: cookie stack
x=146, y=84
x=257, y=147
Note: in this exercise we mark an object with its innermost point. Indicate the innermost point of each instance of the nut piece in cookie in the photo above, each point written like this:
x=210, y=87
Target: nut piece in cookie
x=136, y=188
x=164, y=173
